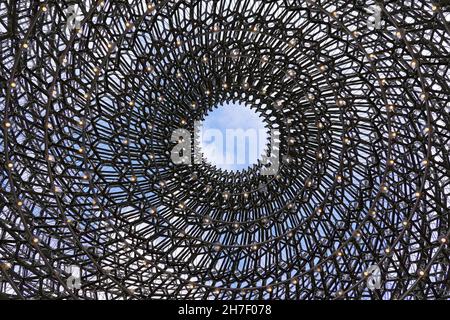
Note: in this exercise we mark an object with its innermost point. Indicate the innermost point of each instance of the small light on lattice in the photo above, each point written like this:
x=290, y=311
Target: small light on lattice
x=131, y=103
x=35, y=240
x=387, y=250
x=225, y=86
x=80, y=150
x=190, y=286
x=254, y=247
x=179, y=75
x=125, y=141
x=10, y=165
x=19, y=203
x=6, y=266
x=427, y=130
x=341, y=102
x=7, y=124
x=181, y=205
x=44, y=8
x=150, y=7
x=25, y=45
x=322, y=68
x=207, y=92
x=128, y=25
x=421, y=273
x=133, y=178
x=443, y=240
x=13, y=84
x=269, y=289
x=418, y=194
x=391, y=162
x=398, y=34
x=435, y=7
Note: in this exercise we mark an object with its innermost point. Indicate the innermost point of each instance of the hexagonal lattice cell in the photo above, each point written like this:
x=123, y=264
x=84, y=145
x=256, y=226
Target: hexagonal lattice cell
x=93, y=207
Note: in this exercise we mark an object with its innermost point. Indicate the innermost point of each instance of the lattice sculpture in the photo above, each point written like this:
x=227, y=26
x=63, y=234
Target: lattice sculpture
x=92, y=91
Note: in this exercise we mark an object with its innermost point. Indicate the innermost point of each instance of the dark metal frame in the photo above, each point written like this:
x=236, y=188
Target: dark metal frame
x=88, y=181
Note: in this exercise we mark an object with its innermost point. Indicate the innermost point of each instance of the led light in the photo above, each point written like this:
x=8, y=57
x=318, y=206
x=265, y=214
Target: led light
x=44, y=8
x=35, y=240
x=293, y=42
x=7, y=124
x=19, y=203
x=13, y=84
x=133, y=178
x=6, y=266
x=443, y=240
x=25, y=45
x=10, y=165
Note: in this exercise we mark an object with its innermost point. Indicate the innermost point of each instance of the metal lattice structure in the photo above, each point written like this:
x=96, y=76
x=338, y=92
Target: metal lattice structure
x=90, y=97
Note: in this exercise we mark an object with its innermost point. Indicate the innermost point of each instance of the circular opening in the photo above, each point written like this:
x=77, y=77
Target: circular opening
x=233, y=137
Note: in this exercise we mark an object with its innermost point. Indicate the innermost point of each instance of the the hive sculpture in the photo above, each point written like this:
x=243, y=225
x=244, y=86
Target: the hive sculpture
x=91, y=94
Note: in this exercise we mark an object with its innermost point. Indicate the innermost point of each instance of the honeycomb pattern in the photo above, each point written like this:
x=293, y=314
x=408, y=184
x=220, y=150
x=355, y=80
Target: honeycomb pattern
x=89, y=102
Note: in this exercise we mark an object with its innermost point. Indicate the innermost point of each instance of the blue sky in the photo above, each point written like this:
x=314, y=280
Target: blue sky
x=233, y=116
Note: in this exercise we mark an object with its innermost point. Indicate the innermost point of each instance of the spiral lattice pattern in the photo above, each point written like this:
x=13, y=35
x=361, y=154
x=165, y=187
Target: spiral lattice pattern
x=89, y=103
